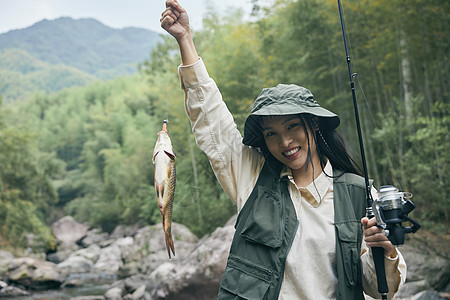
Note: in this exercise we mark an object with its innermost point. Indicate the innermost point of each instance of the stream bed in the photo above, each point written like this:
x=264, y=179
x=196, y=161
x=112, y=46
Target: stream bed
x=87, y=284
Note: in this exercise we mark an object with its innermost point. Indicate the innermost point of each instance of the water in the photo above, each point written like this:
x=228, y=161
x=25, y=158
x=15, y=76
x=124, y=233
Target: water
x=90, y=284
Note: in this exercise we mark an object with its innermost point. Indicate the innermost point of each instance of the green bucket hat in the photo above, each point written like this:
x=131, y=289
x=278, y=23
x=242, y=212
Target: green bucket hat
x=284, y=99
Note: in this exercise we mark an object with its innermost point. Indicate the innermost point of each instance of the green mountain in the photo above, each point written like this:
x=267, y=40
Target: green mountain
x=54, y=54
x=22, y=75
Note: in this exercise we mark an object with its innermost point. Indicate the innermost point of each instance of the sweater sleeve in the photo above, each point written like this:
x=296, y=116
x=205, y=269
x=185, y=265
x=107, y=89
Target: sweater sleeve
x=395, y=273
x=235, y=165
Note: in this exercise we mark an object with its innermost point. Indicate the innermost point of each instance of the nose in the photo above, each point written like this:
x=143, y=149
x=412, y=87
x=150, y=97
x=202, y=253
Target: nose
x=286, y=140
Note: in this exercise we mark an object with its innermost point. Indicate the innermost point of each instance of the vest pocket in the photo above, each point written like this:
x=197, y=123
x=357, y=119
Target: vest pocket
x=348, y=233
x=264, y=224
x=244, y=280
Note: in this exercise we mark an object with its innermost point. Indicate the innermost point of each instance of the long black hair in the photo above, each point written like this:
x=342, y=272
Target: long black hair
x=329, y=145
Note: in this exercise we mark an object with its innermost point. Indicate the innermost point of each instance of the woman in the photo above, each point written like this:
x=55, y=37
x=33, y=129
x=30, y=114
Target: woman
x=300, y=200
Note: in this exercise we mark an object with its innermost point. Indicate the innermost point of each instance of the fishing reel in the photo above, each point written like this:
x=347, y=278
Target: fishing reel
x=391, y=209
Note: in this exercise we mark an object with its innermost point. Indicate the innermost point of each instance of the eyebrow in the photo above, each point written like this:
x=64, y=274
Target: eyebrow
x=284, y=122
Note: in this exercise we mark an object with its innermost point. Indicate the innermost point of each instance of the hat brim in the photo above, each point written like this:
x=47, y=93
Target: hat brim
x=253, y=131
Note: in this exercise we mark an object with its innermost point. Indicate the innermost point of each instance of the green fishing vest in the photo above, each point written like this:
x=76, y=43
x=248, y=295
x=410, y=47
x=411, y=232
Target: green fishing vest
x=265, y=230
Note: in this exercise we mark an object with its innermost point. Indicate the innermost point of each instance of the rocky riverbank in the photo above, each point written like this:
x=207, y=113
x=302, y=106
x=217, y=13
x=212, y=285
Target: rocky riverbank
x=132, y=263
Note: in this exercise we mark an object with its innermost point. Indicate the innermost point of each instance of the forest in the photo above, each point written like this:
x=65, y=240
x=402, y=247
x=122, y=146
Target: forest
x=87, y=151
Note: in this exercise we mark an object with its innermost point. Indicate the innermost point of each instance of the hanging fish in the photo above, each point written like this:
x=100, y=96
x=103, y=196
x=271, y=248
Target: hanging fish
x=164, y=161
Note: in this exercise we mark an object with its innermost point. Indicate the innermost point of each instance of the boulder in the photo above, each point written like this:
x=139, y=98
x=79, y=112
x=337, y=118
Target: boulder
x=140, y=294
x=110, y=260
x=92, y=253
x=11, y=292
x=201, y=270
x=114, y=293
x=64, y=252
x=5, y=258
x=76, y=264
x=428, y=295
x=94, y=236
x=35, y=274
x=426, y=271
x=124, y=230
x=69, y=231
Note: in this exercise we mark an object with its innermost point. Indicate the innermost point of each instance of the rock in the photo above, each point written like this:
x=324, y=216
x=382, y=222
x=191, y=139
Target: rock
x=128, y=270
x=151, y=246
x=94, y=297
x=427, y=295
x=92, y=253
x=60, y=255
x=124, y=230
x=140, y=294
x=201, y=270
x=132, y=283
x=12, y=292
x=35, y=274
x=72, y=282
x=76, y=264
x=5, y=258
x=425, y=271
x=69, y=231
x=94, y=236
x=110, y=260
x=411, y=288
x=114, y=293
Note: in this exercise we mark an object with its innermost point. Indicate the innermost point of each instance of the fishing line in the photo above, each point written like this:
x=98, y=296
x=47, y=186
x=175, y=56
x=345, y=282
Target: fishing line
x=361, y=90
x=373, y=121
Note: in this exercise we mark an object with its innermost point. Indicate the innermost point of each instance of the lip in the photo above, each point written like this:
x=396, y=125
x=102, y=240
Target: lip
x=292, y=156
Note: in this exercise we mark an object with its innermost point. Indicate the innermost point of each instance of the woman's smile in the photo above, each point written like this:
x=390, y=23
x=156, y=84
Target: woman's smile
x=293, y=153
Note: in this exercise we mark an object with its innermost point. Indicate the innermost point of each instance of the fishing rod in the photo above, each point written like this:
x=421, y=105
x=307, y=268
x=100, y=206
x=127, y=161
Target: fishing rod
x=392, y=207
x=377, y=252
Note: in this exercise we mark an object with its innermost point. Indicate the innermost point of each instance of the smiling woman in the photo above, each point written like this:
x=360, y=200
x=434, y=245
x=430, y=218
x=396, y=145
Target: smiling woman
x=300, y=198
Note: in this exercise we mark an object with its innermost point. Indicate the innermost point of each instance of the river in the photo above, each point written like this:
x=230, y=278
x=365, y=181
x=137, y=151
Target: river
x=85, y=284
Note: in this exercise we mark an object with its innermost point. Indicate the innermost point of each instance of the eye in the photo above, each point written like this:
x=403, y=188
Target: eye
x=292, y=125
x=269, y=134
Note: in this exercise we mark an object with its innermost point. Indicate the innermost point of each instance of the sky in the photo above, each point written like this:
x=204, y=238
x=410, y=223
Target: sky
x=18, y=14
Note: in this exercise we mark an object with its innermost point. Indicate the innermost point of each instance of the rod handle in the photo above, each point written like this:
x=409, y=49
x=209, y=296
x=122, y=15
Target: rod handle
x=378, y=259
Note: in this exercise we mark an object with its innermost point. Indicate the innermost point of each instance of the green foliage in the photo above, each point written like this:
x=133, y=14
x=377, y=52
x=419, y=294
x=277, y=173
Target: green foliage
x=421, y=167
x=22, y=75
x=103, y=134
x=26, y=190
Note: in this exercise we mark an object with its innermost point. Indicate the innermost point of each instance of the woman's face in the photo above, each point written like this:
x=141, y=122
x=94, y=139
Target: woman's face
x=287, y=140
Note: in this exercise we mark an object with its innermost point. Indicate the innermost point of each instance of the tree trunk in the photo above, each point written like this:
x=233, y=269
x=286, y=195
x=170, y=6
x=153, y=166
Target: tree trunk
x=195, y=191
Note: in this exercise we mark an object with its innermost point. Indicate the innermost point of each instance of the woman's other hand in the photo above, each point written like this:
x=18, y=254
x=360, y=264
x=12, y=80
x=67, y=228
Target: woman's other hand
x=374, y=237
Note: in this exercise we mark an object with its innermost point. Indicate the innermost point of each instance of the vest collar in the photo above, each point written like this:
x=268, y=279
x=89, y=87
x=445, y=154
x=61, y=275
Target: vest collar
x=318, y=188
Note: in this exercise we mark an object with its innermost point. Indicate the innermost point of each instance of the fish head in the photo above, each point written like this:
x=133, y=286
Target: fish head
x=164, y=144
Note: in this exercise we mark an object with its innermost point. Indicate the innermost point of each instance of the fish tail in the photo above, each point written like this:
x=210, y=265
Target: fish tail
x=169, y=243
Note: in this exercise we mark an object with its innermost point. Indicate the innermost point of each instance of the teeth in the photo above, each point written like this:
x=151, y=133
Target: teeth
x=291, y=152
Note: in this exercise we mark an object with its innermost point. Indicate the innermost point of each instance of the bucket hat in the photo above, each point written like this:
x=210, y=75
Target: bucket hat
x=284, y=99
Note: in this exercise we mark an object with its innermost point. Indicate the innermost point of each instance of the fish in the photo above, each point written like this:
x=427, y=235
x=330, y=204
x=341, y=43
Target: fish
x=165, y=181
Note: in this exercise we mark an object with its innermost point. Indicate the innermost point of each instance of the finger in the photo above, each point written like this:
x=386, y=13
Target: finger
x=380, y=244
x=166, y=22
x=175, y=5
x=169, y=13
x=372, y=222
x=377, y=237
x=372, y=231
x=364, y=222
